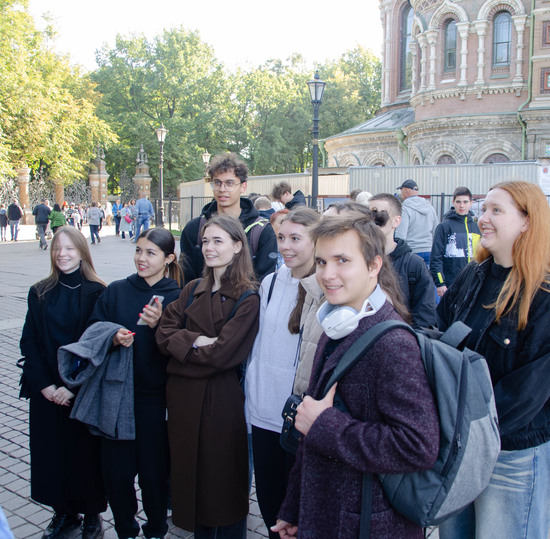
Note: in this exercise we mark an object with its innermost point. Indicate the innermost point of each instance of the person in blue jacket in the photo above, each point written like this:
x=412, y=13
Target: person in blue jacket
x=455, y=240
x=125, y=302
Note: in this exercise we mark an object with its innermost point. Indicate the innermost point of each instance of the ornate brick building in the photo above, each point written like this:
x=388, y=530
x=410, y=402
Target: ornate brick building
x=463, y=81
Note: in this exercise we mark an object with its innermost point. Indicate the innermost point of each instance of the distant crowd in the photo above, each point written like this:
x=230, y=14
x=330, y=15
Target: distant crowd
x=193, y=374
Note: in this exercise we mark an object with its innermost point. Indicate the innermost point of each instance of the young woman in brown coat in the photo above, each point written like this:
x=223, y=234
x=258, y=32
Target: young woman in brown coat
x=206, y=423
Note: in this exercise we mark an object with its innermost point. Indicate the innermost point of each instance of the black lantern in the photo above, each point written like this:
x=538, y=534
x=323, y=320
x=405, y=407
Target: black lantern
x=161, y=136
x=316, y=90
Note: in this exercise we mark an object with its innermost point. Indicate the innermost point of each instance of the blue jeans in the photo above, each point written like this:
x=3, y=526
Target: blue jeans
x=117, y=224
x=94, y=232
x=142, y=221
x=426, y=257
x=516, y=504
x=14, y=229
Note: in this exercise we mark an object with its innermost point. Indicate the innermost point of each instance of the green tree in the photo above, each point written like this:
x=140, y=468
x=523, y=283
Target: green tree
x=352, y=94
x=174, y=79
x=47, y=107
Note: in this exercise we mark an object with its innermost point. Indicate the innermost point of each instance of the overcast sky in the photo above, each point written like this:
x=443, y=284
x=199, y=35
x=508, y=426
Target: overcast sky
x=242, y=32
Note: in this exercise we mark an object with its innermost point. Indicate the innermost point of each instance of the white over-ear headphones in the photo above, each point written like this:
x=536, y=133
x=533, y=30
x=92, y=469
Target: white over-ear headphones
x=338, y=322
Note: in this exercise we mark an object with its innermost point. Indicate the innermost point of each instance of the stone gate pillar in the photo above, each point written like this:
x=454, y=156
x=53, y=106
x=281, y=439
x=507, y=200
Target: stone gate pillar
x=98, y=178
x=24, y=202
x=59, y=192
x=142, y=178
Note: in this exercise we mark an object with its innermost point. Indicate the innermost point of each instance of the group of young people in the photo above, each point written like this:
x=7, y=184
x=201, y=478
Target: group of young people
x=214, y=363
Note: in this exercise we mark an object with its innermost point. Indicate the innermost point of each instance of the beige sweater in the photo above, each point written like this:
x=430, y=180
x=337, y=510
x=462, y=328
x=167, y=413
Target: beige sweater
x=312, y=332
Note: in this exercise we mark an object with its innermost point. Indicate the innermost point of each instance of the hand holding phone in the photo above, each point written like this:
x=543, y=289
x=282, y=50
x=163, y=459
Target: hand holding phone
x=151, y=312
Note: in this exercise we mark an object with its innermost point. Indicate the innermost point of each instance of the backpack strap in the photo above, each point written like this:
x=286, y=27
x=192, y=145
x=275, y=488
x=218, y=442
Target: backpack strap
x=271, y=287
x=366, y=507
x=244, y=295
x=456, y=335
x=361, y=346
x=253, y=233
x=190, y=300
x=415, y=277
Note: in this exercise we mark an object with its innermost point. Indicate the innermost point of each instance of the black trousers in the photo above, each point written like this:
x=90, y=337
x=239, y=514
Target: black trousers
x=147, y=457
x=272, y=465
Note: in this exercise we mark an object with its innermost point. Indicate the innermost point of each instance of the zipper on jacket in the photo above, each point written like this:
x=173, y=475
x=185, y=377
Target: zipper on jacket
x=457, y=444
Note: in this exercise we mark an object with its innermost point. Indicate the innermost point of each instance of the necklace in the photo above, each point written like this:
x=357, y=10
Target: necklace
x=71, y=287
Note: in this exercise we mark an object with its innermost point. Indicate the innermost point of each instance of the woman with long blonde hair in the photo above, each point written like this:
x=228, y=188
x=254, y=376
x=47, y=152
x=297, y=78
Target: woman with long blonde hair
x=505, y=298
x=65, y=457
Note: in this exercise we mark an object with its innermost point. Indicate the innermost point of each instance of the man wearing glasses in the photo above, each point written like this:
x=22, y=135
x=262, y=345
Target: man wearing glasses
x=228, y=176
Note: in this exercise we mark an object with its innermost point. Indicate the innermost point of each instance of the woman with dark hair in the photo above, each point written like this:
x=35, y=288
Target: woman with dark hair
x=392, y=424
x=272, y=364
x=505, y=298
x=158, y=274
x=208, y=334
x=57, y=218
x=65, y=457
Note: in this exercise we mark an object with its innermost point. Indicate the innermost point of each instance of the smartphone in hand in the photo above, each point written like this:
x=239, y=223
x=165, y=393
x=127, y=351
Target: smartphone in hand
x=142, y=322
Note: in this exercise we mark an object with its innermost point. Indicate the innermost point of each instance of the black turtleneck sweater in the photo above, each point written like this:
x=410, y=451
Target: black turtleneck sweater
x=63, y=309
x=494, y=281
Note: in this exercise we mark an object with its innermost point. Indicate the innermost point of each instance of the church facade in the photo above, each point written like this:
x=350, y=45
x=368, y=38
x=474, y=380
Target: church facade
x=463, y=81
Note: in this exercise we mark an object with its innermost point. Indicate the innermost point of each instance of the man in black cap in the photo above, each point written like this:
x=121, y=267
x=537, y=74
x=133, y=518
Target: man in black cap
x=418, y=221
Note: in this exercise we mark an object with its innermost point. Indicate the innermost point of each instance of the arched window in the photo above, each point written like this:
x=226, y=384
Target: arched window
x=496, y=158
x=406, y=54
x=502, y=39
x=450, y=46
x=446, y=160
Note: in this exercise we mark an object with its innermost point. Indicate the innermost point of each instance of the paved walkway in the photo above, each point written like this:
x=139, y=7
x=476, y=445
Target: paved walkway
x=21, y=265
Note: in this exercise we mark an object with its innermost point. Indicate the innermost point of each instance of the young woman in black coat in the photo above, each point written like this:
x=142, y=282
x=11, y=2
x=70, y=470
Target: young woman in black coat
x=125, y=302
x=65, y=457
x=505, y=298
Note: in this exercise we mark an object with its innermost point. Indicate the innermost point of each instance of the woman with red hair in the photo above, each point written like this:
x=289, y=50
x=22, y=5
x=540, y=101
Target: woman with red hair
x=505, y=298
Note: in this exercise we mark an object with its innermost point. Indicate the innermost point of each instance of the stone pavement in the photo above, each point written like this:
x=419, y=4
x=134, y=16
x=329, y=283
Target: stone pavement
x=21, y=265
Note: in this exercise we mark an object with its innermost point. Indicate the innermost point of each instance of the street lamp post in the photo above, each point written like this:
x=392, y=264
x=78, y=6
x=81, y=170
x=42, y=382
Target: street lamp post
x=206, y=159
x=161, y=136
x=316, y=89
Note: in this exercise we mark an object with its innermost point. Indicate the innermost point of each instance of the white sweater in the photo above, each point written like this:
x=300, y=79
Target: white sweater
x=273, y=360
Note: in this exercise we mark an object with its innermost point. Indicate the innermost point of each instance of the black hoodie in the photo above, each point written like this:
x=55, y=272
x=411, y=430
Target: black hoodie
x=416, y=284
x=453, y=247
x=193, y=260
x=121, y=303
x=298, y=200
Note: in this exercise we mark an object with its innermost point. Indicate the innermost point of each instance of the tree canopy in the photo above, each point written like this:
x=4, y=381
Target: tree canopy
x=52, y=114
x=47, y=108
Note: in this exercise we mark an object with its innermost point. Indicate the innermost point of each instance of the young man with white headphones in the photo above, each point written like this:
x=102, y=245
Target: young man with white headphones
x=392, y=424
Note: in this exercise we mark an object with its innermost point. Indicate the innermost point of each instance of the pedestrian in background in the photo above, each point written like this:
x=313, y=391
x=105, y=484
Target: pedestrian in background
x=65, y=457
x=505, y=298
x=145, y=212
x=418, y=221
x=117, y=207
x=126, y=221
x=41, y=213
x=3, y=222
x=93, y=216
x=207, y=345
x=56, y=218
x=455, y=240
x=147, y=456
x=15, y=213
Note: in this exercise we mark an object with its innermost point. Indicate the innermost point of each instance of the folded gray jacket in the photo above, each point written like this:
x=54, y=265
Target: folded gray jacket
x=105, y=402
